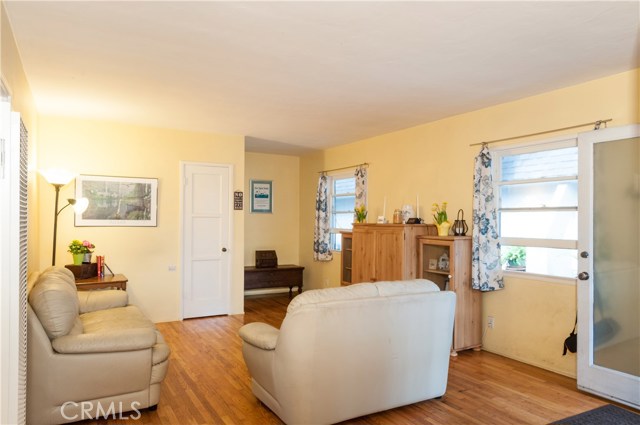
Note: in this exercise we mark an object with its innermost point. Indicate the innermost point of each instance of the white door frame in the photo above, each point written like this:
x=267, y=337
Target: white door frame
x=230, y=254
x=608, y=383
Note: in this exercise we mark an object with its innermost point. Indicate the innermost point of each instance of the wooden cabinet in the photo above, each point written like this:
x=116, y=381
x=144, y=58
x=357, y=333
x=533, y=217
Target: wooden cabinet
x=385, y=251
x=446, y=260
x=346, y=258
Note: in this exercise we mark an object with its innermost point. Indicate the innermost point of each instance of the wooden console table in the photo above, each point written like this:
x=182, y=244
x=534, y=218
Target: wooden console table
x=274, y=277
x=118, y=281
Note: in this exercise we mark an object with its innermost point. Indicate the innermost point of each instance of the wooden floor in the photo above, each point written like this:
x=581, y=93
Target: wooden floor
x=208, y=383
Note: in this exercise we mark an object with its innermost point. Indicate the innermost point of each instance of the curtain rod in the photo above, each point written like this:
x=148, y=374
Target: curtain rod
x=364, y=164
x=596, y=125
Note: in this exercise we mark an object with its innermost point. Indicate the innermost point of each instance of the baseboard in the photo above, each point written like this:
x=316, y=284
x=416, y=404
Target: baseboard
x=267, y=291
x=529, y=362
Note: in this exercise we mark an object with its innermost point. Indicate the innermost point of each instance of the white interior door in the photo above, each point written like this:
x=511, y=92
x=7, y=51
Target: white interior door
x=206, y=250
x=609, y=264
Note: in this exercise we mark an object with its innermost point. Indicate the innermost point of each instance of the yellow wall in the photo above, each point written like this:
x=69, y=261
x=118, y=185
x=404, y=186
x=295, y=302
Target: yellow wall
x=21, y=101
x=435, y=161
x=280, y=230
x=143, y=254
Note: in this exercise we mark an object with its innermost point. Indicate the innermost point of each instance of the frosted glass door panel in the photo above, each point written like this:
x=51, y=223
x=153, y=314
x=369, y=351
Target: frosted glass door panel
x=616, y=259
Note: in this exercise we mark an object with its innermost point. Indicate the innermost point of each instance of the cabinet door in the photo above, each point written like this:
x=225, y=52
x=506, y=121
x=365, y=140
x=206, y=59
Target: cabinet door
x=346, y=261
x=389, y=245
x=363, y=256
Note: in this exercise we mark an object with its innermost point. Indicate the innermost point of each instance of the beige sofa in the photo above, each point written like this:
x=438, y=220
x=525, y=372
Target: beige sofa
x=89, y=353
x=346, y=352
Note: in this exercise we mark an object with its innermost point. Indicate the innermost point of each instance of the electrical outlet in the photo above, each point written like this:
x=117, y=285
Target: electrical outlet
x=490, y=322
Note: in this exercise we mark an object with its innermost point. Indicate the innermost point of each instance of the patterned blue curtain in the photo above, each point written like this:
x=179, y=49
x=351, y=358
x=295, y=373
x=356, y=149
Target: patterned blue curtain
x=321, y=234
x=361, y=186
x=486, y=273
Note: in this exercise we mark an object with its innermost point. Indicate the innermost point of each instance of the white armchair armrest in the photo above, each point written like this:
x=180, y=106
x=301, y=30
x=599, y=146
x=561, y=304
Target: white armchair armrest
x=105, y=342
x=260, y=335
x=101, y=299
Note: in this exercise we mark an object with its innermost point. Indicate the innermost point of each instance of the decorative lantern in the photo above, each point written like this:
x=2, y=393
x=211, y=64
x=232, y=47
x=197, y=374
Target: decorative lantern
x=460, y=226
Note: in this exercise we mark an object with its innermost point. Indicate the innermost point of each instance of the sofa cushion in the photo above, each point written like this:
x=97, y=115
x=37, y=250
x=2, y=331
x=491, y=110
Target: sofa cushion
x=115, y=319
x=107, y=342
x=362, y=290
x=62, y=273
x=406, y=287
x=101, y=300
x=316, y=296
x=55, y=302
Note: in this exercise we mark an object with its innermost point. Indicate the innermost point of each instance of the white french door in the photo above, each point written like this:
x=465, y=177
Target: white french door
x=609, y=264
x=206, y=236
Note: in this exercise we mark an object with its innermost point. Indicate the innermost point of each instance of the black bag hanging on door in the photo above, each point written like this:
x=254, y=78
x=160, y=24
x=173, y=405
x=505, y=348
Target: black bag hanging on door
x=571, y=343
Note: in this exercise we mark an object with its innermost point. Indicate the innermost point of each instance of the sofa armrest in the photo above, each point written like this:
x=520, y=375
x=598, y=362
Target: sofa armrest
x=101, y=299
x=105, y=342
x=260, y=335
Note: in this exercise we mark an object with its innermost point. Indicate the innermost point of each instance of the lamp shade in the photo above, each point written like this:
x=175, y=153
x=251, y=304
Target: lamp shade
x=57, y=176
x=80, y=205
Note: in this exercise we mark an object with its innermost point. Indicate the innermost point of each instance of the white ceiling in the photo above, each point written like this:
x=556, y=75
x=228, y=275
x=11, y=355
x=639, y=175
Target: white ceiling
x=295, y=76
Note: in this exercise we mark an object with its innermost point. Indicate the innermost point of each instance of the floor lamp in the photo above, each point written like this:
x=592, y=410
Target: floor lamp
x=59, y=179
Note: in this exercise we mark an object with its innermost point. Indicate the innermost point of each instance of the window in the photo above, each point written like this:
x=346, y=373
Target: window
x=537, y=194
x=342, y=203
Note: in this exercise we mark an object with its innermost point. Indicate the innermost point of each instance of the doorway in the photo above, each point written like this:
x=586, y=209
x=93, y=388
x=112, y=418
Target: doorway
x=206, y=238
x=609, y=264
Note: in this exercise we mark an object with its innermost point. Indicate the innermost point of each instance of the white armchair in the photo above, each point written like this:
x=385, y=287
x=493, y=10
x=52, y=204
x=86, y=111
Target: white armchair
x=89, y=353
x=346, y=352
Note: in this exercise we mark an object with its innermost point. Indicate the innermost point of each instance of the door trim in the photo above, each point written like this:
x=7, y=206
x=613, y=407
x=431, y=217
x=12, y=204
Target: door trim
x=591, y=377
x=230, y=252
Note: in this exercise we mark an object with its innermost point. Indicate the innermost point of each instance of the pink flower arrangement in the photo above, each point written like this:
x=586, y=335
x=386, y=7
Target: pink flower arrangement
x=77, y=247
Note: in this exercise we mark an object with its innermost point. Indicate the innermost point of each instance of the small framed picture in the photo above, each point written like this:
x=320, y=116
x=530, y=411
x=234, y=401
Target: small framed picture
x=261, y=196
x=433, y=263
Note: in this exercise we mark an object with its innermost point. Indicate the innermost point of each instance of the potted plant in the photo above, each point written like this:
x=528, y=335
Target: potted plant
x=81, y=251
x=515, y=258
x=440, y=218
x=361, y=213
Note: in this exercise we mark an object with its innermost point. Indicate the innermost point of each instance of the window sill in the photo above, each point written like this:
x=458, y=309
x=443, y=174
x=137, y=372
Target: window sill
x=541, y=277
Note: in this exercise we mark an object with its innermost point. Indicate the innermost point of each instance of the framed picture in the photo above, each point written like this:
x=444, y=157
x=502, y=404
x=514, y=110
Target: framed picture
x=261, y=196
x=433, y=263
x=118, y=201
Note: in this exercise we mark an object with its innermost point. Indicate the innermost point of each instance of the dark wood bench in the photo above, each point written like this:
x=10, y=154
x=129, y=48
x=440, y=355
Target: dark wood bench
x=274, y=277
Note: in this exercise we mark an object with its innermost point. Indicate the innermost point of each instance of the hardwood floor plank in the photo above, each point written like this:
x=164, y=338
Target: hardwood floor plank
x=208, y=382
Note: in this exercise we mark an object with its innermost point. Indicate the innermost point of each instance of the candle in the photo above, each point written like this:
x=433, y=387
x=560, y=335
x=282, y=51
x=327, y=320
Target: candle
x=417, y=206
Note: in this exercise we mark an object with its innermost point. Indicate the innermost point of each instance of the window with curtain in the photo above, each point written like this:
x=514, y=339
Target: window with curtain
x=342, y=199
x=537, y=199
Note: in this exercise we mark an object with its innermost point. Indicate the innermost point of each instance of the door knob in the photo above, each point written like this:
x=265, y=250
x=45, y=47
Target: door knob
x=583, y=276
x=224, y=249
x=584, y=254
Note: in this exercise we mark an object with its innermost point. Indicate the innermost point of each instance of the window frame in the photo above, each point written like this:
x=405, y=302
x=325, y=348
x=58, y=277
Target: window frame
x=497, y=154
x=341, y=175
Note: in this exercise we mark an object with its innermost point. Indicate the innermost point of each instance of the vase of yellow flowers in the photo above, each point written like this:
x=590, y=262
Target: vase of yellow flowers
x=440, y=218
x=81, y=251
x=361, y=214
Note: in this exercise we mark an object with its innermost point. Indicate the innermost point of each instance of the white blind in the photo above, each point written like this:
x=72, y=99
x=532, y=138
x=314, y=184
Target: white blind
x=22, y=365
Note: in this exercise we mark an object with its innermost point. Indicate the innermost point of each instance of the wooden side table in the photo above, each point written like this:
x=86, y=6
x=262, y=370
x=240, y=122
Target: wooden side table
x=118, y=281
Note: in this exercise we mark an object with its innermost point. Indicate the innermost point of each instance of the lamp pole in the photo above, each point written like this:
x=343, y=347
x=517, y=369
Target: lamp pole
x=55, y=223
x=55, y=219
